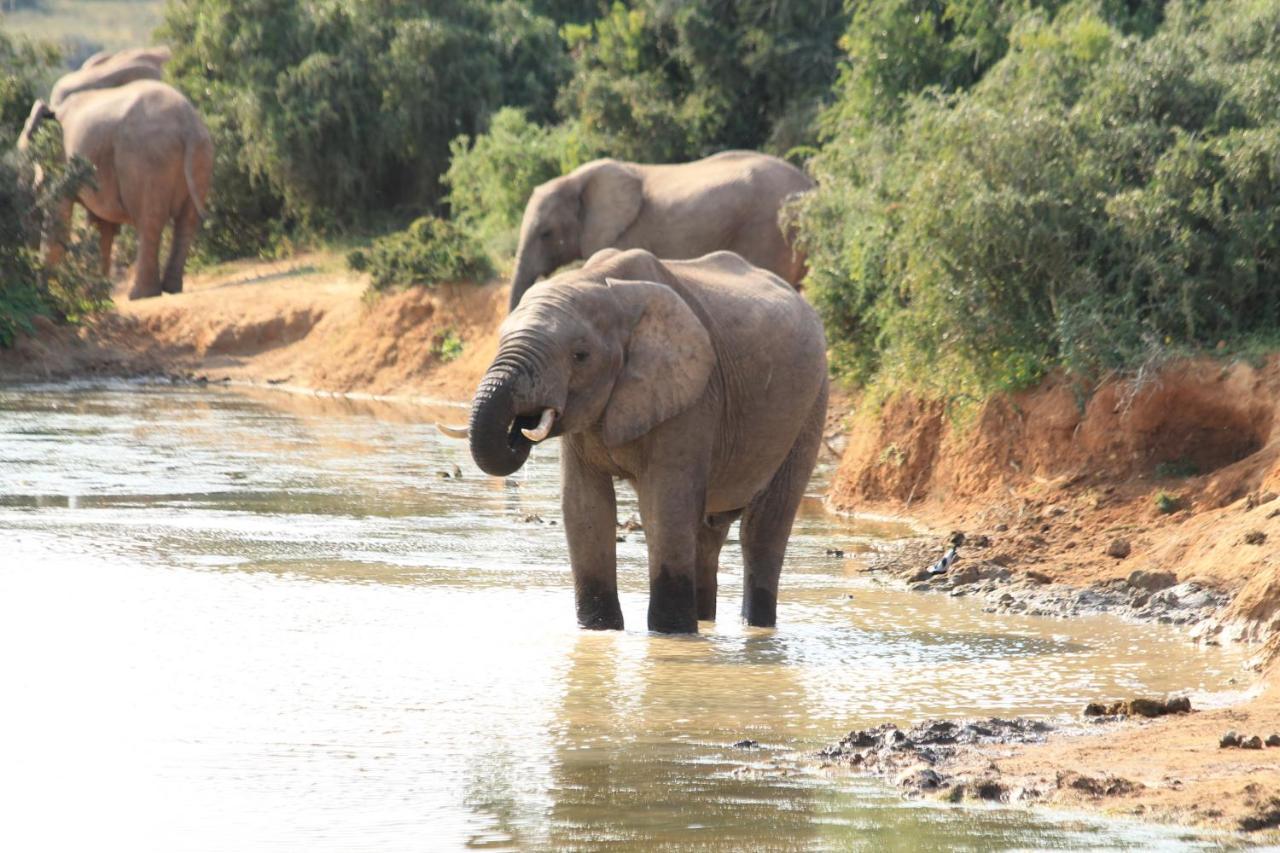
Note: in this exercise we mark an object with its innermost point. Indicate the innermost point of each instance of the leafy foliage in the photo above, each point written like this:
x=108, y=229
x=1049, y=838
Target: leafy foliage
x=662, y=82
x=491, y=178
x=430, y=250
x=72, y=291
x=332, y=114
x=1095, y=196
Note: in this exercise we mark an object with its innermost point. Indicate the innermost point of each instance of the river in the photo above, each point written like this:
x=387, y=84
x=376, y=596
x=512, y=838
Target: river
x=237, y=621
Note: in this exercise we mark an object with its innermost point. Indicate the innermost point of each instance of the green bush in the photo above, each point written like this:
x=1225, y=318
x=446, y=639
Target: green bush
x=1097, y=196
x=661, y=82
x=336, y=115
x=490, y=178
x=429, y=251
x=74, y=290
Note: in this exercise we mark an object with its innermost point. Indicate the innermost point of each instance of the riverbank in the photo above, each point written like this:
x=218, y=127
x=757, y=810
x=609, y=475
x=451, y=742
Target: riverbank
x=301, y=323
x=1154, y=500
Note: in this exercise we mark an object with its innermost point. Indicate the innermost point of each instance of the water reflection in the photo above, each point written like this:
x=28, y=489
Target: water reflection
x=281, y=626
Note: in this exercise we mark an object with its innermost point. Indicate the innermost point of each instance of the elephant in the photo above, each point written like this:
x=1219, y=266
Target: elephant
x=106, y=70
x=153, y=158
x=730, y=201
x=701, y=382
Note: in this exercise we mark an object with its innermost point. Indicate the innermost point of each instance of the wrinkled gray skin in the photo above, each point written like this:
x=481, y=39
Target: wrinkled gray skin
x=106, y=70
x=701, y=382
x=730, y=201
x=153, y=158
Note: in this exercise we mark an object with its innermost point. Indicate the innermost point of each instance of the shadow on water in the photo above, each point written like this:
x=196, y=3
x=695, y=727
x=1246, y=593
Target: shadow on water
x=292, y=629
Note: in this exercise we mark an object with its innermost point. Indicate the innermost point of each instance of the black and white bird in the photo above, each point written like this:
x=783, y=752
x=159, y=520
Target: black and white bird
x=941, y=567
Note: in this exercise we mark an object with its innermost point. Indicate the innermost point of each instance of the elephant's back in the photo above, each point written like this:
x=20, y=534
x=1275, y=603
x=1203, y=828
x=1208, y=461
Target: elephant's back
x=748, y=306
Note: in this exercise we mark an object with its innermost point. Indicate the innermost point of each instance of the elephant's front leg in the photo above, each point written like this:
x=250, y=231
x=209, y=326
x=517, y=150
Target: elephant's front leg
x=590, y=523
x=672, y=506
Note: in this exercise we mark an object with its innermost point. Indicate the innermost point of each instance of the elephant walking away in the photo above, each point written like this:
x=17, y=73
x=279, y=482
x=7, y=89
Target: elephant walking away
x=730, y=201
x=153, y=158
x=701, y=382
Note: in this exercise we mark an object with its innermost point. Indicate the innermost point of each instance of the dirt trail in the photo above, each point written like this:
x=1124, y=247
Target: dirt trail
x=301, y=323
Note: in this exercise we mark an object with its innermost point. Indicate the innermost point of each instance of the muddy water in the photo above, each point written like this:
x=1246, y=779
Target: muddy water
x=241, y=623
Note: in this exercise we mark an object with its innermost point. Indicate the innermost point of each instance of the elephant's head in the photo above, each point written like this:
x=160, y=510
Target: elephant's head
x=574, y=217
x=576, y=355
x=39, y=112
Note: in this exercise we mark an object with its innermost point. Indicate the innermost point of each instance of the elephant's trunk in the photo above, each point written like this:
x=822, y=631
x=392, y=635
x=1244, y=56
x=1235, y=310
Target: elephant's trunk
x=497, y=444
x=526, y=274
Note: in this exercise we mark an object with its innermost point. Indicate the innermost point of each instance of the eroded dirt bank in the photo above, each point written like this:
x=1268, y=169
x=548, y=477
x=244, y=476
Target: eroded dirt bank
x=300, y=323
x=1154, y=498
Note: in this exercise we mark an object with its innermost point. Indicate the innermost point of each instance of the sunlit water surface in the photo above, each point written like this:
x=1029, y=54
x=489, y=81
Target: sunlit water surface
x=265, y=622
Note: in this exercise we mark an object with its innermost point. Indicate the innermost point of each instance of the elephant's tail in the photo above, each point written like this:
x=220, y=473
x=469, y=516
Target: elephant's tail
x=189, y=150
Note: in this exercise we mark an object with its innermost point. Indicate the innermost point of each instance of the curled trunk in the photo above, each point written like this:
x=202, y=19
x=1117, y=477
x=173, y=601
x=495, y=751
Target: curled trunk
x=497, y=445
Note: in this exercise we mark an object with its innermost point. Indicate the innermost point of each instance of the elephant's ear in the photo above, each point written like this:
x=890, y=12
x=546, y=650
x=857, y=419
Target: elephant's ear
x=669, y=358
x=611, y=198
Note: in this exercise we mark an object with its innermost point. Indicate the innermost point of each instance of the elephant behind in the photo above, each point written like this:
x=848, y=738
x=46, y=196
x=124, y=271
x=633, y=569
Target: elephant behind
x=730, y=201
x=153, y=159
x=702, y=382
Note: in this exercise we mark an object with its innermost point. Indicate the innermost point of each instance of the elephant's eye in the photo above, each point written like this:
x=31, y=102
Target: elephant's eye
x=545, y=235
x=581, y=356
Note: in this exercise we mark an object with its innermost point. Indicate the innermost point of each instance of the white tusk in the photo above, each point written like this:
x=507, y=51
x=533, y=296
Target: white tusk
x=454, y=432
x=543, y=429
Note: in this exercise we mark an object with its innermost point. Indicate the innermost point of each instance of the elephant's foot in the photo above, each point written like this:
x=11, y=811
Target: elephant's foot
x=599, y=610
x=760, y=607
x=141, y=293
x=706, y=604
x=672, y=604
x=172, y=285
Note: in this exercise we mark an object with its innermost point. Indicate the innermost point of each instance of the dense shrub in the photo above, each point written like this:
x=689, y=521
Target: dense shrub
x=661, y=82
x=1096, y=196
x=23, y=64
x=429, y=251
x=490, y=178
x=335, y=114
x=72, y=291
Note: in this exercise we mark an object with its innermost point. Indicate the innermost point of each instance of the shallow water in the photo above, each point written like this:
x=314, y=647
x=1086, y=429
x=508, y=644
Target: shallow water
x=239, y=622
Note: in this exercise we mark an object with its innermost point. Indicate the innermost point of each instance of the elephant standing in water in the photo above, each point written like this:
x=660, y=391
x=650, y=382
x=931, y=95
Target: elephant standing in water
x=702, y=382
x=730, y=202
x=152, y=156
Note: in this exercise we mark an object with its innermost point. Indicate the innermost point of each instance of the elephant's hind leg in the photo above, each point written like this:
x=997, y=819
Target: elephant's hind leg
x=107, y=232
x=711, y=536
x=185, y=226
x=766, y=524
x=146, y=274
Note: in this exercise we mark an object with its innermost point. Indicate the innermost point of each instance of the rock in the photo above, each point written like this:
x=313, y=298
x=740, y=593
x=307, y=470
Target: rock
x=1055, y=511
x=956, y=539
x=966, y=575
x=1145, y=708
x=620, y=538
x=834, y=552
x=1228, y=740
x=632, y=523
x=1178, y=705
x=746, y=744
x=983, y=541
x=1274, y=740
x=1000, y=528
x=1254, y=742
x=1255, y=537
x=457, y=473
x=1119, y=548
x=919, y=779
x=1037, y=577
x=1095, y=709
x=532, y=518
x=1151, y=581
x=922, y=576
x=511, y=483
